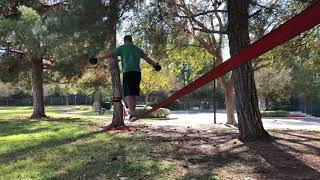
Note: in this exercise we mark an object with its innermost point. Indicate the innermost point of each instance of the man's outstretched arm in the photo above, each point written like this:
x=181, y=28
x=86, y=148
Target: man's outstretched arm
x=149, y=60
x=100, y=57
x=155, y=65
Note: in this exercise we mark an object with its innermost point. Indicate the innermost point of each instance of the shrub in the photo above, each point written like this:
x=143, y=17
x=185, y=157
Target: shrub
x=160, y=113
x=274, y=113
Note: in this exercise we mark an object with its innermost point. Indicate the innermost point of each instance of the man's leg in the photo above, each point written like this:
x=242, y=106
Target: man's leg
x=132, y=102
x=131, y=83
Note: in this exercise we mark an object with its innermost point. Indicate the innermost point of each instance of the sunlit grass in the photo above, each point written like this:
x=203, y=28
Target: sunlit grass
x=69, y=146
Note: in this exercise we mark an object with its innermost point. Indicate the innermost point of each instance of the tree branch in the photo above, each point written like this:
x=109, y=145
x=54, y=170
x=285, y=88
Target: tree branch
x=13, y=50
x=255, y=13
x=204, y=13
x=50, y=60
x=210, y=31
x=259, y=67
x=47, y=66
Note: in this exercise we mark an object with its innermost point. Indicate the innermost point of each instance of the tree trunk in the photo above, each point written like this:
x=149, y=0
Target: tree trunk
x=228, y=91
x=37, y=88
x=96, y=103
x=305, y=105
x=146, y=99
x=227, y=85
x=266, y=102
x=117, y=119
x=249, y=117
x=67, y=100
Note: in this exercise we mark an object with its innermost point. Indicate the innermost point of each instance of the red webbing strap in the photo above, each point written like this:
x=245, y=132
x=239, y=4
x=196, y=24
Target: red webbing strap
x=304, y=21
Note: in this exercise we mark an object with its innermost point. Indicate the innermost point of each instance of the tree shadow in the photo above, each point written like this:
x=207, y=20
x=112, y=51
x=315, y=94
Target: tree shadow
x=307, y=135
x=201, y=153
x=267, y=159
x=199, y=163
x=120, y=157
x=28, y=126
x=302, y=119
x=14, y=127
x=16, y=154
x=283, y=164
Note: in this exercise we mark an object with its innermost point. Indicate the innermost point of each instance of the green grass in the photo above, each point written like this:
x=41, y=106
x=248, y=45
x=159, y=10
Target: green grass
x=68, y=146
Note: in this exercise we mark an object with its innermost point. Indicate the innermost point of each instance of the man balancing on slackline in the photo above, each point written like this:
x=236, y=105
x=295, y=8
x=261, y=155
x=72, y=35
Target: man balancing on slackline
x=130, y=59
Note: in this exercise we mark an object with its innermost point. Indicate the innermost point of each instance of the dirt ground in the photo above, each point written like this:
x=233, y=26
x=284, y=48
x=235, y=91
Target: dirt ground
x=215, y=150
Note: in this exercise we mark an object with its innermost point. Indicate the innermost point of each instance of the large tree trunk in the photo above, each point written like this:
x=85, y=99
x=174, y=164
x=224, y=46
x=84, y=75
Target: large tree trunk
x=37, y=88
x=249, y=117
x=117, y=119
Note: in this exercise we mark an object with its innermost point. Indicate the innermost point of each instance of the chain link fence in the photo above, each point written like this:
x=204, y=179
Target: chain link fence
x=311, y=107
x=60, y=100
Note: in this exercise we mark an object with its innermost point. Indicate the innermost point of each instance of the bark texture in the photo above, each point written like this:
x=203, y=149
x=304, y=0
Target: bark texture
x=227, y=85
x=228, y=91
x=249, y=117
x=37, y=87
x=97, y=99
x=146, y=99
x=117, y=119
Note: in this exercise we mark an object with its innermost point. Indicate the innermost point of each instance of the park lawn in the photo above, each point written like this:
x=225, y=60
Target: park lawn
x=69, y=146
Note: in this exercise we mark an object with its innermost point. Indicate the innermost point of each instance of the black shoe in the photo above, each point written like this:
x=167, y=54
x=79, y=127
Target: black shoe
x=132, y=118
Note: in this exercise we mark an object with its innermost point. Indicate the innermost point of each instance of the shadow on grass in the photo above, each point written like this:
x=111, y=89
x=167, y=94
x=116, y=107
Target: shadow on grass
x=203, y=153
x=29, y=126
x=120, y=157
x=16, y=154
x=279, y=163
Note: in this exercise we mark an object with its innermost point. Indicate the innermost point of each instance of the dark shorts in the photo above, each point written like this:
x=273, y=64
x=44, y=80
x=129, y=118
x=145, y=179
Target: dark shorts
x=131, y=83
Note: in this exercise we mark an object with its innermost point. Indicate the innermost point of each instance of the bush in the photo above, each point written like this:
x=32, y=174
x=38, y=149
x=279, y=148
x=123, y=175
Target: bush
x=274, y=113
x=106, y=105
x=160, y=113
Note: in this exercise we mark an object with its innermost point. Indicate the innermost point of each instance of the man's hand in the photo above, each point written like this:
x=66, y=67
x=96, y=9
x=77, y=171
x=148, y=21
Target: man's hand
x=100, y=57
x=157, y=67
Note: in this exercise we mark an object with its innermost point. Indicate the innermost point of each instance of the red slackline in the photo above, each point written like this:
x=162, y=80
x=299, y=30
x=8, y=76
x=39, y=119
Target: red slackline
x=300, y=23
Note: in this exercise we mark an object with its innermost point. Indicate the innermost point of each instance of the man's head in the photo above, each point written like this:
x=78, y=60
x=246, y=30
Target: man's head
x=127, y=39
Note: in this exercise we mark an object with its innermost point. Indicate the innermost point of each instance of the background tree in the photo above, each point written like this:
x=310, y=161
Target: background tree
x=23, y=33
x=193, y=24
x=284, y=61
x=97, y=86
x=249, y=117
x=115, y=11
x=154, y=82
x=68, y=36
x=273, y=84
x=6, y=89
x=80, y=33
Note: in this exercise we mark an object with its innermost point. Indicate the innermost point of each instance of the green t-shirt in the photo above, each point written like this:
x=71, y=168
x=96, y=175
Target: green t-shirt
x=130, y=57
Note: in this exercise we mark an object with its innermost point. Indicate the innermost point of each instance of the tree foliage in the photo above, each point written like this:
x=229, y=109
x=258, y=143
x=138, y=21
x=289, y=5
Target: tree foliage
x=153, y=81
